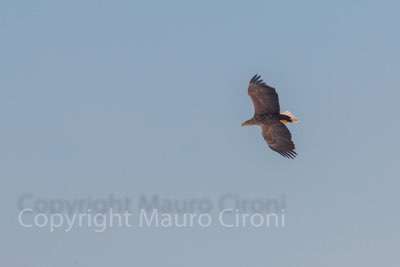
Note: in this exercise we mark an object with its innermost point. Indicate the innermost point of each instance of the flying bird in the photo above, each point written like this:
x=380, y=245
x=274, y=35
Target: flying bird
x=267, y=115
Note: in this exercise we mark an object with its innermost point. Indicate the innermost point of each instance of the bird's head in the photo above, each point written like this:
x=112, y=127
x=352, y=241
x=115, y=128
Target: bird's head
x=249, y=122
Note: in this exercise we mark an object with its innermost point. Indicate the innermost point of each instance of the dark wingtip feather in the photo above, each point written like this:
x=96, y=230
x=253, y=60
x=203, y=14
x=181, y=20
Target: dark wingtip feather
x=256, y=79
x=285, y=154
x=288, y=154
x=292, y=153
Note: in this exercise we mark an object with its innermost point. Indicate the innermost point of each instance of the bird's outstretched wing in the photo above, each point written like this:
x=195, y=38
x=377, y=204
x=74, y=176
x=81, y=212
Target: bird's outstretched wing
x=264, y=97
x=279, y=138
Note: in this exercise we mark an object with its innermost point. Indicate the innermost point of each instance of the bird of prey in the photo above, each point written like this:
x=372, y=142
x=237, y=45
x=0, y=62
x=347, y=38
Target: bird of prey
x=267, y=115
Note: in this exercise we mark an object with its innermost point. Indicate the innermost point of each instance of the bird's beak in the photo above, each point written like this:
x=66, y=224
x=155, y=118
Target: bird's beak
x=248, y=122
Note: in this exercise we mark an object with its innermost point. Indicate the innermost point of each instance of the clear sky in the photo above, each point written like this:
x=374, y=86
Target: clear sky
x=143, y=97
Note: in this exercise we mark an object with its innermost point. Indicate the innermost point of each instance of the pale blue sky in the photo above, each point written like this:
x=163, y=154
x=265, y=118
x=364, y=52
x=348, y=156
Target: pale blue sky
x=129, y=97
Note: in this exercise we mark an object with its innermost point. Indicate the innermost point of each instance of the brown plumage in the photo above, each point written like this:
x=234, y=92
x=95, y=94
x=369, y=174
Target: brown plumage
x=267, y=115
